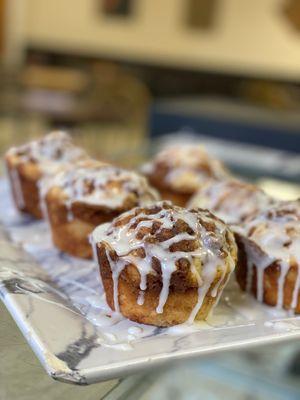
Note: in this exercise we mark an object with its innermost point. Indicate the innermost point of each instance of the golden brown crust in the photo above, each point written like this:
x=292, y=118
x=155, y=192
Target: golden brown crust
x=181, y=300
x=177, y=198
x=71, y=235
x=183, y=289
x=105, y=192
x=177, y=172
x=27, y=179
x=271, y=276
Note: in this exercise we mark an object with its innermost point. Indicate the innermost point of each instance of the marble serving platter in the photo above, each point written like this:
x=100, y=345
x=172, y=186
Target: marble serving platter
x=58, y=303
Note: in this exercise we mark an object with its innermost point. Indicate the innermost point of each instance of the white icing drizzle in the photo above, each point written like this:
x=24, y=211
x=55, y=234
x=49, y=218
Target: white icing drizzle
x=98, y=184
x=231, y=200
x=203, y=286
x=274, y=235
x=17, y=189
x=141, y=297
x=125, y=241
x=188, y=167
x=143, y=287
x=52, y=153
x=215, y=290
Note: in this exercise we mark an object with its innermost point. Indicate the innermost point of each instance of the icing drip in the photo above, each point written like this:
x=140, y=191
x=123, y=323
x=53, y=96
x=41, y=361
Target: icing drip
x=126, y=240
x=143, y=287
x=203, y=286
x=141, y=298
x=17, y=189
x=274, y=236
x=231, y=200
x=166, y=278
x=215, y=290
x=100, y=184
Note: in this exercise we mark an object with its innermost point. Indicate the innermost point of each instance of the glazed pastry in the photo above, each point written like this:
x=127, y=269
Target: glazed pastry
x=27, y=165
x=164, y=265
x=89, y=194
x=269, y=256
x=180, y=170
x=231, y=200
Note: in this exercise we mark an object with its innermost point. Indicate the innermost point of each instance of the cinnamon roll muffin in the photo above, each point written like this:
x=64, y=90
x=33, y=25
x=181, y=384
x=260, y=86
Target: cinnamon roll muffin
x=179, y=171
x=164, y=265
x=27, y=165
x=91, y=193
x=269, y=256
x=231, y=200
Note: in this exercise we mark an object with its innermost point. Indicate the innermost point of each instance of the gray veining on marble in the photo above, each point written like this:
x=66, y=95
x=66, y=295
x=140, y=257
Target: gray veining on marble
x=23, y=378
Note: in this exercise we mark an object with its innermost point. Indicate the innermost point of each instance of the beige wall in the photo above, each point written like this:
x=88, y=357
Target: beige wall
x=250, y=35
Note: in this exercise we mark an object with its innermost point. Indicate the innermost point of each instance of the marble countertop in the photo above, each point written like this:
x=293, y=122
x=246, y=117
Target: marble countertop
x=22, y=376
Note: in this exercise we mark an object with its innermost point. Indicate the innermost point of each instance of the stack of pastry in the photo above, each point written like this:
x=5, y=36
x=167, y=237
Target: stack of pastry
x=179, y=171
x=29, y=164
x=161, y=263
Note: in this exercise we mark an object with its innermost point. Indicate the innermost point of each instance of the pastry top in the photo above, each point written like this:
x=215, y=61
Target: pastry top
x=231, y=200
x=101, y=185
x=176, y=247
x=48, y=153
x=276, y=232
x=183, y=168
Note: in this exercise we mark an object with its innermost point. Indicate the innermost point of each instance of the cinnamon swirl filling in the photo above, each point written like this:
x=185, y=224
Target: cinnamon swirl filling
x=163, y=264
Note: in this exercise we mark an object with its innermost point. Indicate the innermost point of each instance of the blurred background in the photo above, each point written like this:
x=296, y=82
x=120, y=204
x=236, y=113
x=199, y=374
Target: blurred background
x=125, y=76
x=127, y=70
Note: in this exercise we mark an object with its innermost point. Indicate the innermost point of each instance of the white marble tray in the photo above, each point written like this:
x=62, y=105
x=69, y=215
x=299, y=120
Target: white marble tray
x=58, y=304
